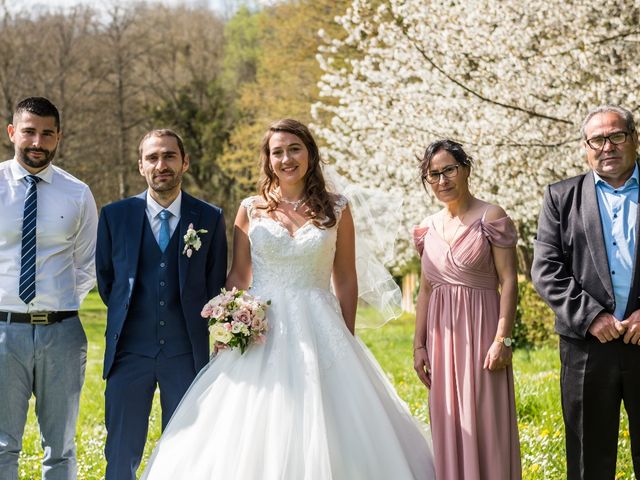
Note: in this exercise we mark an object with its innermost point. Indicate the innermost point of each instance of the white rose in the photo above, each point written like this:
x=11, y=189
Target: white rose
x=221, y=334
x=236, y=327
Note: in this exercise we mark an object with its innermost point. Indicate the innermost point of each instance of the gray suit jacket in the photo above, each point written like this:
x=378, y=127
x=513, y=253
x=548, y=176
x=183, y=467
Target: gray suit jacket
x=570, y=268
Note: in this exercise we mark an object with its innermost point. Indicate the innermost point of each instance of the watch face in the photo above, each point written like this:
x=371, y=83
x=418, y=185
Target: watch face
x=507, y=342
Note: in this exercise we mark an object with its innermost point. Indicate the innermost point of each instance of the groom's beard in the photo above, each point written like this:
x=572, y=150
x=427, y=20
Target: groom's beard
x=46, y=159
x=169, y=184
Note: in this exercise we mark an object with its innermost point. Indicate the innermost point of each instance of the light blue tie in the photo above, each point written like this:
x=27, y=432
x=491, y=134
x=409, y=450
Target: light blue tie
x=165, y=233
x=27, y=288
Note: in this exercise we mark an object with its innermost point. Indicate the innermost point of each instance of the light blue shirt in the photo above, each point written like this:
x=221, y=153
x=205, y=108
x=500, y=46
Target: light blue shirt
x=618, y=213
x=153, y=209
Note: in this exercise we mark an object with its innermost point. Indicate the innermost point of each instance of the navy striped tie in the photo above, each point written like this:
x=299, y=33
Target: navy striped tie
x=27, y=289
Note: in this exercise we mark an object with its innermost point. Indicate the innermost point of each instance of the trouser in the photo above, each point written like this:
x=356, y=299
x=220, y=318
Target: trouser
x=47, y=361
x=128, y=399
x=595, y=379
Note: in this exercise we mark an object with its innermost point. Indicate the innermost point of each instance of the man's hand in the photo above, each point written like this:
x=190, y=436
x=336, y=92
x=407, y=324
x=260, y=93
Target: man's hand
x=605, y=327
x=422, y=366
x=498, y=357
x=632, y=326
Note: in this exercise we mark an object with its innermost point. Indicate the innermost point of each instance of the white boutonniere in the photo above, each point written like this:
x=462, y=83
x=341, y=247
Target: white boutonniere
x=192, y=240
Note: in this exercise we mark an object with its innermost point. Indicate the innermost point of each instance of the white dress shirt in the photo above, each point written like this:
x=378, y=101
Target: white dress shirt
x=66, y=228
x=154, y=208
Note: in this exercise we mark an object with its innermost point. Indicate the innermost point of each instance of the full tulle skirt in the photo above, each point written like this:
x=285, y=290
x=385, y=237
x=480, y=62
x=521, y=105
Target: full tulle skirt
x=309, y=404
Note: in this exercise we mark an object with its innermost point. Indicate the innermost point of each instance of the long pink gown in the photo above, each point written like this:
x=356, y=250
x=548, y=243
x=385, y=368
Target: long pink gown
x=473, y=412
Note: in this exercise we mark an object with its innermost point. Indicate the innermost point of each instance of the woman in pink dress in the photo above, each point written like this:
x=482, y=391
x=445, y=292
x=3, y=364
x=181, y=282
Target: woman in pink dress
x=464, y=320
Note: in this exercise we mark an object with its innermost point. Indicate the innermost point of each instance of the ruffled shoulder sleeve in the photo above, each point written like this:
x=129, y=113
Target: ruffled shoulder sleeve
x=501, y=232
x=340, y=202
x=419, y=232
x=250, y=203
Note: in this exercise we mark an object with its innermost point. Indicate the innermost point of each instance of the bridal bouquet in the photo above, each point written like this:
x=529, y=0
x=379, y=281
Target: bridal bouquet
x=236, y=319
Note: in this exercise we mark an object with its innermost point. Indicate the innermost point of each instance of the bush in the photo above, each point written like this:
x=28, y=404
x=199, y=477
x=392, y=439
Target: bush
x=534, y=319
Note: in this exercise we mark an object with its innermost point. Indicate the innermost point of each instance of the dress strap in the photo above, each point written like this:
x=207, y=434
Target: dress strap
x=250, y=204
x=340, y=203
x=484, y=214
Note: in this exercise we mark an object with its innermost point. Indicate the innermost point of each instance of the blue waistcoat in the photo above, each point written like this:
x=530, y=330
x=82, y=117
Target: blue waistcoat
x=155, y=320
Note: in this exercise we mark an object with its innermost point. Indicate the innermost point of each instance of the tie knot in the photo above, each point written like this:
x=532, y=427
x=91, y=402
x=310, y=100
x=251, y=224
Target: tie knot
x=32, y=179
x=164, y=214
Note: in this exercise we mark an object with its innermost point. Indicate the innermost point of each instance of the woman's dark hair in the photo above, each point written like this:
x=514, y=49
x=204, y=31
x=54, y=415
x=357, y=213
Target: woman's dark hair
x=453, y=148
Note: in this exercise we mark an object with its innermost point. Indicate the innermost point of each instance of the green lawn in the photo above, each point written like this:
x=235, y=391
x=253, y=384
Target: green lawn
x=537, y=390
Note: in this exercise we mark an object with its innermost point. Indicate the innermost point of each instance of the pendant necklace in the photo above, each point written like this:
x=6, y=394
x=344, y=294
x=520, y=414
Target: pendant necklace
x=296, y=205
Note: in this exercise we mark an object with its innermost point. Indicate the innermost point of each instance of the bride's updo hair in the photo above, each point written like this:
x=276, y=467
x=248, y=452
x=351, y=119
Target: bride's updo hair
x=319, y=202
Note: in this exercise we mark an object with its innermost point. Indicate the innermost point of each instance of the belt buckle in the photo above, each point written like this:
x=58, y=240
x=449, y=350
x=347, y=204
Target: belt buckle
x=41, y=318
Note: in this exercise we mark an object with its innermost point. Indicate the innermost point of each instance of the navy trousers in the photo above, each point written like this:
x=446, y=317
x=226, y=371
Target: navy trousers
x=128, y=399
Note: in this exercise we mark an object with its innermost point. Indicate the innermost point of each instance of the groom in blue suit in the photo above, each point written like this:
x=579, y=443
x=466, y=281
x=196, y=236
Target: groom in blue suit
x=154, y=283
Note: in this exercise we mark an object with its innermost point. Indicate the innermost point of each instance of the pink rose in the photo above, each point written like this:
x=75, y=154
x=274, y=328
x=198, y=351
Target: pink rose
x=206, y=311
x=217, y=312
x=242, y=315
x=257, y=324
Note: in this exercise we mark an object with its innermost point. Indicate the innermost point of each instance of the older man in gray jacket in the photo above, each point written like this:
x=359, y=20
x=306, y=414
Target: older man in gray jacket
x=587, y=269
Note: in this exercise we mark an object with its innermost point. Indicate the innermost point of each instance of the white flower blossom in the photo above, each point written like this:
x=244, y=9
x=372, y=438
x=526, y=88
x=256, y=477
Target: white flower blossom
x=511, y=81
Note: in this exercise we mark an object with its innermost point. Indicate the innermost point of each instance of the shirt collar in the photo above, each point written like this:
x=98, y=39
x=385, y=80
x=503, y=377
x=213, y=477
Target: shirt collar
x=634, y=178
x=155, y=208
x=19, y=172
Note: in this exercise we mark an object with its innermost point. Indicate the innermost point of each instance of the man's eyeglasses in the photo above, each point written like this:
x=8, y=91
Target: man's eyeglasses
x=598, y=143
x=449, y=171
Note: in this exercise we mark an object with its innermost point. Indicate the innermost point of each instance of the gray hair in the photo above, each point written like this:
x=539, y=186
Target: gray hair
x=625, y=114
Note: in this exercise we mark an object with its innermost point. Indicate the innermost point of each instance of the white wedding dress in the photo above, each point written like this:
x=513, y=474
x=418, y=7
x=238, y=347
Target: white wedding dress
x=311, y=403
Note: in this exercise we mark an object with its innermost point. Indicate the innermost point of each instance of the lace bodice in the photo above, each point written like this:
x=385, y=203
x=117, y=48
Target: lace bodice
x=282, y=260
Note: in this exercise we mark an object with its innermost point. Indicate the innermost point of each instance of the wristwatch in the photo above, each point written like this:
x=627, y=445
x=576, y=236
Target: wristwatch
x=506, y=341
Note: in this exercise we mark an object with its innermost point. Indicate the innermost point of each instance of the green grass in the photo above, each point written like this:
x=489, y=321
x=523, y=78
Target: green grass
x=537, y=393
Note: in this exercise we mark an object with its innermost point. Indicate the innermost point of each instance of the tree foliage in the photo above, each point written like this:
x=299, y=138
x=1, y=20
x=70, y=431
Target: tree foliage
x=284, y=49
x=511, y=81
x=108, y=73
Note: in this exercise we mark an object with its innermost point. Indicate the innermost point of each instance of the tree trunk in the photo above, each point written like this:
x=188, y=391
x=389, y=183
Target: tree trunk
x=409, y=283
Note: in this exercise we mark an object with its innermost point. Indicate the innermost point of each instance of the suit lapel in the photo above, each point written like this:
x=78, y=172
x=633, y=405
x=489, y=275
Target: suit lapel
x=593, y=232
x=189, y=214
x=135, y=223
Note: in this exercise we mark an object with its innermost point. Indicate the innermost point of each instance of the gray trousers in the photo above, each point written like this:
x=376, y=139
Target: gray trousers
x=47, y=361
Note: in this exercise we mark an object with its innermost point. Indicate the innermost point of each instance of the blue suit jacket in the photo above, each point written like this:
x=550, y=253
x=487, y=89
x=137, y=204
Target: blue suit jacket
x=200, y=277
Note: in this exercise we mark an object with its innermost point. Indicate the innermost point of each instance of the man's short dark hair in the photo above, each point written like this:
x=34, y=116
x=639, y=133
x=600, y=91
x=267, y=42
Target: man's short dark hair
x=39, y=106
x=162, y=132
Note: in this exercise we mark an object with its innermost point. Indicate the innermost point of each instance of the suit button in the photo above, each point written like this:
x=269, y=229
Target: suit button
x=162, y=284
x=161, y=342
x=162, y=264
x=162, y=323
x=115, y=337
x=162, y=303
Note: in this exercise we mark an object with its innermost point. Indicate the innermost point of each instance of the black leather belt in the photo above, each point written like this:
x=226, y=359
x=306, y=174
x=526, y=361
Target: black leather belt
x=36, y=318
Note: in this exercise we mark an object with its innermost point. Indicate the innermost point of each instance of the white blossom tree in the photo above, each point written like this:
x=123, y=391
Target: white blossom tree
x=511, y=81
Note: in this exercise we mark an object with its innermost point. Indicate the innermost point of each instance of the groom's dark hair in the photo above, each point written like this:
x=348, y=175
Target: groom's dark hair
x=162, y=132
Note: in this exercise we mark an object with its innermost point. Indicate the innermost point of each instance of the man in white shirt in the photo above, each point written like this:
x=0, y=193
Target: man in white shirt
x=47, y=246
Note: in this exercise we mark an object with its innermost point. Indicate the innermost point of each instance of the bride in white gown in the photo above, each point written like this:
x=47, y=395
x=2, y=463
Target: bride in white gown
x=311, y=403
